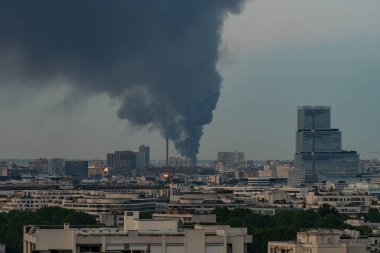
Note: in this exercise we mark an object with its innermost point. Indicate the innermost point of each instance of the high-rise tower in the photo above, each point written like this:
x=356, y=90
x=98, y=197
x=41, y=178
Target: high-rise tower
x=319, y=153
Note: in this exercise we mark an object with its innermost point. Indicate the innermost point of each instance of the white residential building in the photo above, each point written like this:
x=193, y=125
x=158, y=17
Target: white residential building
x=138, y=236
x=317, y=241
x=345, y=204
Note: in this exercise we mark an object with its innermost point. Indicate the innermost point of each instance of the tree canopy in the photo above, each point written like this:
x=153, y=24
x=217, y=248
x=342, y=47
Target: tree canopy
x=283, y=226
x=11, y=224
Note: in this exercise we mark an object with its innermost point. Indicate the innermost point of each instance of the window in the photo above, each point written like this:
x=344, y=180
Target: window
x=229, y=248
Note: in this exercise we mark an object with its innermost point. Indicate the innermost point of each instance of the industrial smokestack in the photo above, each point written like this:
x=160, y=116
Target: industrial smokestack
x=167, y=152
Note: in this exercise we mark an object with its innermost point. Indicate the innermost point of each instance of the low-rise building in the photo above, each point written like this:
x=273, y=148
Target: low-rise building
x=111, y=203
x=138, y=236
x=317, y=241
x=186, y=218
x=343, y=203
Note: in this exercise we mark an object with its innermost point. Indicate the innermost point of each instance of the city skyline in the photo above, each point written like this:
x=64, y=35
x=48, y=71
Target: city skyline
x=327, y=57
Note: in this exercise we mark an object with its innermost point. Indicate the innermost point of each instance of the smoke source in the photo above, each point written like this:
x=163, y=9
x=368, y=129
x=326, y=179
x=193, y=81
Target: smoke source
x=157, y=57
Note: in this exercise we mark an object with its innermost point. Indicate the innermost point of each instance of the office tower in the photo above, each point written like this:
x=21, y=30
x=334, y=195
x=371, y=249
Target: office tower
x=121, y=162
x=142, y=157
x=40, y=165
x=314, y=117
x=56, y=166
x=77, y=169
x=230, y=157
x=110, y=160
x=319, y=155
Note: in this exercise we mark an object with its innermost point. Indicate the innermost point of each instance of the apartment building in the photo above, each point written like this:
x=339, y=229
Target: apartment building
x=138, y=236
x=345, y=204
x=110, y=203
x=317, y=241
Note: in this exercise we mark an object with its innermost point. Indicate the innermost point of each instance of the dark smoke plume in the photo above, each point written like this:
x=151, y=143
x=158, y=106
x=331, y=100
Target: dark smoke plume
x=158, y=57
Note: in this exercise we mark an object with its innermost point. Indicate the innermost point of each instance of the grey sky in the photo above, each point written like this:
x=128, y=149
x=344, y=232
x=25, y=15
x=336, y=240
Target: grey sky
x=276, y=55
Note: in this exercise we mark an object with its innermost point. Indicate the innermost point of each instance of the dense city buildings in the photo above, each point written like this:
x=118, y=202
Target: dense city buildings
x=180, y=196
x=180, y=162
x=319, y=241
x=123, y=163
x=319, y=153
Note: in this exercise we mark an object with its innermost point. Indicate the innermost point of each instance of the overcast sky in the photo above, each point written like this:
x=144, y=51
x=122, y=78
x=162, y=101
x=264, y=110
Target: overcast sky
x=276, y=55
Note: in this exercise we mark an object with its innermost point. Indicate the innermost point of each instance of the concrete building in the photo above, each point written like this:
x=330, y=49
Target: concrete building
x=40, y=165
x=187, y=218
x=296, y=177
x=121, y=162
x=111, y=202
x=142, y=157
x=317, y=241
x=138, y=236
x=56, y=166
x=319, y=147
x=282, y=170
x=230, y=157
x=77, y=169
x=345, y=204
x=5, y=167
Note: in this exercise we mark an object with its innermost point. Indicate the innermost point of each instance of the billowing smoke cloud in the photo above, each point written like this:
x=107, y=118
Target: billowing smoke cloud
x=157, y=57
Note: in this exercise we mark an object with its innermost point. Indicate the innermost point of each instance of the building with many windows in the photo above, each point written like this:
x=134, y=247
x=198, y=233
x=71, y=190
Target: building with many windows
x=143, y=157
x=77, y=169
x=319, y=153
x=121, y=162
x=230, y=157
x=317, y=241
x=138, y=236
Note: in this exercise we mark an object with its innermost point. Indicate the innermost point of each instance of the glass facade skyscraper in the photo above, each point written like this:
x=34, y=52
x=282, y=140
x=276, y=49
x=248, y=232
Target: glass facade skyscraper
x=319, y=153
x=314, y=117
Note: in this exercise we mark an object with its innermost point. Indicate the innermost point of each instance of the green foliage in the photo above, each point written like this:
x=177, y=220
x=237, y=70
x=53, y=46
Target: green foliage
x=326, y=209
x=373, y=215
x=11, y=224
x=145, y=215
x=364, y=230
x=222, y=214
x=330, y=221
x=283, y=226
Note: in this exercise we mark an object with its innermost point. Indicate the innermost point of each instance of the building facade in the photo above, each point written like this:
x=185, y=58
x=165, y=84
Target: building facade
x=143, y=157
x=77, y=169
x=230, y=157
x=317, y=241
x=319, y=151
x=121, y=162
x=138, y=236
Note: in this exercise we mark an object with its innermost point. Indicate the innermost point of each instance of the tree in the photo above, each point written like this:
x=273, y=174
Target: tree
x=326, y=209
x=222, y=214
x=11, y=224
x=330, y=221
x=373, y=215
